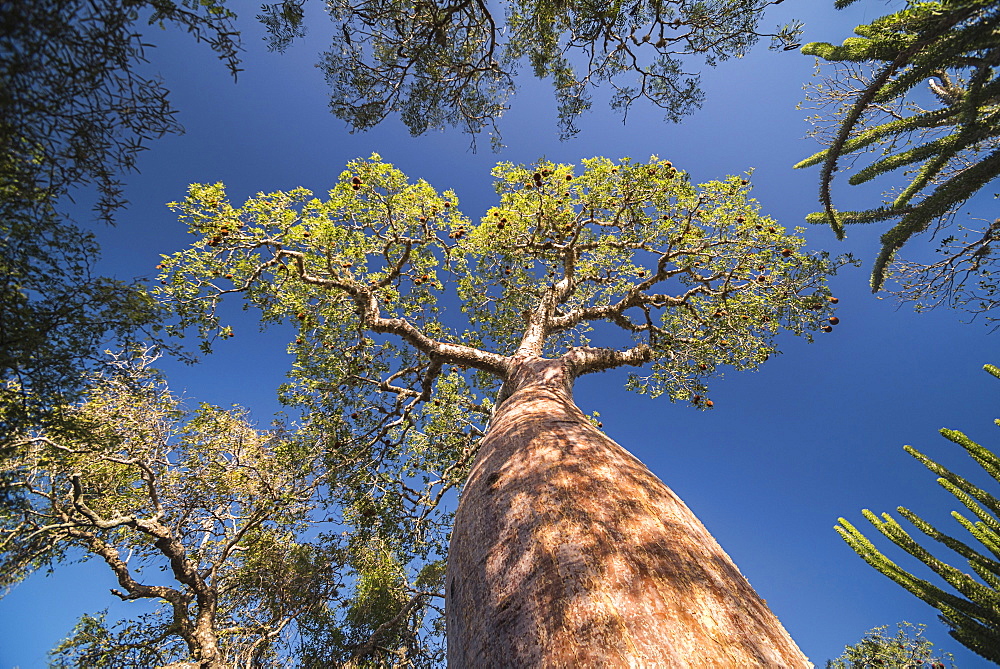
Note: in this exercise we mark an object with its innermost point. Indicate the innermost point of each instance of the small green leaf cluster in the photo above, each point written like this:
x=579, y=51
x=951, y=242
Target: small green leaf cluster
x=908, y=649
x=379, y=590
x=96, y=642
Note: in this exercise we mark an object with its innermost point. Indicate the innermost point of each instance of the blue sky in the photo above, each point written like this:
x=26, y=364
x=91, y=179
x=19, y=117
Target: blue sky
x=817, y=433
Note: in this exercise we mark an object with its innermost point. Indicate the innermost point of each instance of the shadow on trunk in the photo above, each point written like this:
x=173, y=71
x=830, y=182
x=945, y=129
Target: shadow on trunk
x=568, y=551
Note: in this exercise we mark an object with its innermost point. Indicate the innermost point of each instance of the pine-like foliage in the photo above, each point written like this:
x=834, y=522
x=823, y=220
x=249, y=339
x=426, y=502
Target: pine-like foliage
x=948, y=152
x=974, y=613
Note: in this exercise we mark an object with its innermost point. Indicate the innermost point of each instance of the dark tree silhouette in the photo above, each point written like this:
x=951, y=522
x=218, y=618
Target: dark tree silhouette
x=74, y=113
x=439, y=64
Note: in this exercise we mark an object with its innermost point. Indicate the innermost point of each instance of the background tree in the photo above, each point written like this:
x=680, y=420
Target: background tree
x=973, y=614
x=75, y=112
x=440, y=64
x=907, y=650
x=412, y=316
x=241, y=521
x=55, y=316
x=948, y=149
x=77, y=109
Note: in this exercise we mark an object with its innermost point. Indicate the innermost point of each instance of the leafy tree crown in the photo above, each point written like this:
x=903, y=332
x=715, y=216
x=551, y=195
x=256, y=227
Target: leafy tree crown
x=389, y=283
x=438, y=64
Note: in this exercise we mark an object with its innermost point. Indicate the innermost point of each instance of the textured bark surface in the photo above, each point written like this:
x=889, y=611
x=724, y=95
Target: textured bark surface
x=568, y=552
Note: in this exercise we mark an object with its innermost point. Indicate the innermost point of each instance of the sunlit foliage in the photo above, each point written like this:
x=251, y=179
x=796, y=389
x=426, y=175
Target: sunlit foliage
x=917, y=91
x=970, y=607
x=908, y=649
x=694, y=278
x=234, y=534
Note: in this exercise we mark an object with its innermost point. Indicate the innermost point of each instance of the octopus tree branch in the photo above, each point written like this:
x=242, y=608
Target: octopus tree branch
x=48, y=442
x=178, y=600
x=851, y=119
x=397, y=269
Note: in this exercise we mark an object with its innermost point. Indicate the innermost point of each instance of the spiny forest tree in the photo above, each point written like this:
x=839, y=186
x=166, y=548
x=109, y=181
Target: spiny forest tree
x=908, y=649
x=75, y=112
x=233, y=532
x=945, y=141
x=973, y=614
x=566, y=551
x=440, y=64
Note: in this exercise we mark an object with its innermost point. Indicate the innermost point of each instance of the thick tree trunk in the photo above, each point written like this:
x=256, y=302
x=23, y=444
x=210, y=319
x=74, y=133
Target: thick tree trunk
x=568, y=552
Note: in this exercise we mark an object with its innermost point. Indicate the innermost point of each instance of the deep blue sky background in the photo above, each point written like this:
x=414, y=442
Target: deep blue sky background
x=814, y=435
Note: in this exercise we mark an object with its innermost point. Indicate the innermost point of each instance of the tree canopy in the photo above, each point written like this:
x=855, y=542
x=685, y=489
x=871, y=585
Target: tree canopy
x=199, y=495
x=233, y=533
x=693, y=278
x=945, y=141
x=77, y=108
x=56, y=315
x=75, y=112
x=908, y=649
x=439, y=64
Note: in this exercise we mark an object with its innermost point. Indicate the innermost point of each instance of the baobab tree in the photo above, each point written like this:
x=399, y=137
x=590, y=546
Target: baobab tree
x=566, y=550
